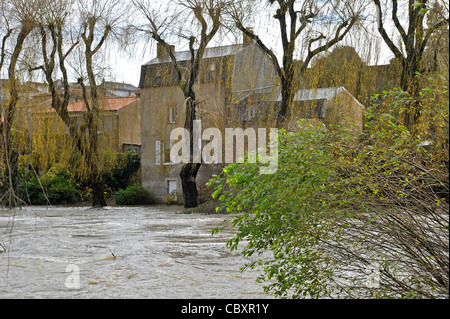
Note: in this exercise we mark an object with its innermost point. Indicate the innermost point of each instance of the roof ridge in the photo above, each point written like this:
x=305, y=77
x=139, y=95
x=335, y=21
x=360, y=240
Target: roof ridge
x=161, y=59
x=120, y=97
x=216, y=47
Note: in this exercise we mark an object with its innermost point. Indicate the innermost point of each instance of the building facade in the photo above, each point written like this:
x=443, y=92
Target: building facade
x=227, y=73
x=237, y=87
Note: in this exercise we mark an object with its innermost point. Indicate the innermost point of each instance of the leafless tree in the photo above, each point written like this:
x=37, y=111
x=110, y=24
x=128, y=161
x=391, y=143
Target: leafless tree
x=92, y=27
x=51, y=24
x=97, y=19
x=6, y=30
x=20, y=18
x=319, y=25
x=207, y=14
x=413, y=41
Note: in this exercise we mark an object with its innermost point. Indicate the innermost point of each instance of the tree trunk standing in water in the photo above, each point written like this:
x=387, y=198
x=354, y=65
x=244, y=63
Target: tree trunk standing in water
x=92, y=115
x=189, y=170
x=414, y=41
x=10, y=154
x=212, y=10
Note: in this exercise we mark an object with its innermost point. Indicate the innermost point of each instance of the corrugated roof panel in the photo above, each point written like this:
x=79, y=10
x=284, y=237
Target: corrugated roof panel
x=317, y=94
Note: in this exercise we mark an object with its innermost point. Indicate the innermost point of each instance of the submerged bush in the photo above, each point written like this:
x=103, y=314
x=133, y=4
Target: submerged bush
x=135, y=194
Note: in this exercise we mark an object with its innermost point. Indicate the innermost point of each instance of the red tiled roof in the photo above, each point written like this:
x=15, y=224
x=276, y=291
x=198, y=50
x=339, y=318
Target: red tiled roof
x=108, y=104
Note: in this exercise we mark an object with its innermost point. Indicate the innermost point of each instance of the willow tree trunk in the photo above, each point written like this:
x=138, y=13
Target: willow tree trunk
x=98, y=192
x=93, y=158
x=95, y=177
x=188, y=174
x=409, y=83
x=11, y=178
x=288, y=91
x=93, y=111
x=188, y=177
x=11, y=155
x=288, y=87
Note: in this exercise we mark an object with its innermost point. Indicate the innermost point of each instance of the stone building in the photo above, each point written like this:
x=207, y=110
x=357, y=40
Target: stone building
x=227, y=74
x=237, y=87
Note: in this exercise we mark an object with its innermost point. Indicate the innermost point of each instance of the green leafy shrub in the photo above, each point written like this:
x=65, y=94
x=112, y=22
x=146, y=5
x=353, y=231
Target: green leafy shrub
x=171, y=198
x=60, y=192
x=348, y=219
x=287, y=213
x=54, y=187
x=135, y=194
x=126, y=165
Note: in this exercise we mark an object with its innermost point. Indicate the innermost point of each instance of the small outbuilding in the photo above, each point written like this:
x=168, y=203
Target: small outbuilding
x=330, y=106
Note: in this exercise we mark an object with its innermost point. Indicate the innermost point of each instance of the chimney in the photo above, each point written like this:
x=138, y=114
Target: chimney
x=246, y=39
x=161, y=49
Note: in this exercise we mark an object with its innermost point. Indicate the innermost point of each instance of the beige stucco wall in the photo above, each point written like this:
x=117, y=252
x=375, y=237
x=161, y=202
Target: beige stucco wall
x=344, y=110
x=155, y=126
x=251, y=69
x=129, y=124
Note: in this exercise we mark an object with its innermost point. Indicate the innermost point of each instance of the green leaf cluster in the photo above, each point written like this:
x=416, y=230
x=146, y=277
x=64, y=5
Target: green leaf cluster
x=288, y=213
x=54, y=187
x=337, y=207
x=135, y=194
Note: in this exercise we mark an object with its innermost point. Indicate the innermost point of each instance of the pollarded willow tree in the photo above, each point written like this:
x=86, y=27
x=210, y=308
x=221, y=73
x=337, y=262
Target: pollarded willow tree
x=90, y=30
x=19, y=19
x=98, y=19
x=53, y=42
x=316, y=25
x=206, y=16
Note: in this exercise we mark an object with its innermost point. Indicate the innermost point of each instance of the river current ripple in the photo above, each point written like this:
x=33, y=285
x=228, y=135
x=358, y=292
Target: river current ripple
x=67, y=252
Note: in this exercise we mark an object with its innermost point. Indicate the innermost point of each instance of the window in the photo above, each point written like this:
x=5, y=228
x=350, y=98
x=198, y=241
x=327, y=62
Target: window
x=247, y=112
x=251, y=112
x=158, y=152
x=166, y=152
x=172, y=114
x=210, y=74
x=157, y=79
x=172, y=186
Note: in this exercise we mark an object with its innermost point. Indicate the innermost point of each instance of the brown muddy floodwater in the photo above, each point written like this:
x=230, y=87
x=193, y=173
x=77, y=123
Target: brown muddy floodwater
x=62, y=252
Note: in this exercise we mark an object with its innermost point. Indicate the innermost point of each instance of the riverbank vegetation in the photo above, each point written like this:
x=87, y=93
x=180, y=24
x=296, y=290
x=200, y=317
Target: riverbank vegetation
x=62, y=185
x=346, y=217
x=135, y=194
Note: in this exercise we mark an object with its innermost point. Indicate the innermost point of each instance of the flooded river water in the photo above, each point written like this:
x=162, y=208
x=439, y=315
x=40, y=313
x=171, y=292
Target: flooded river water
x=61, y=252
